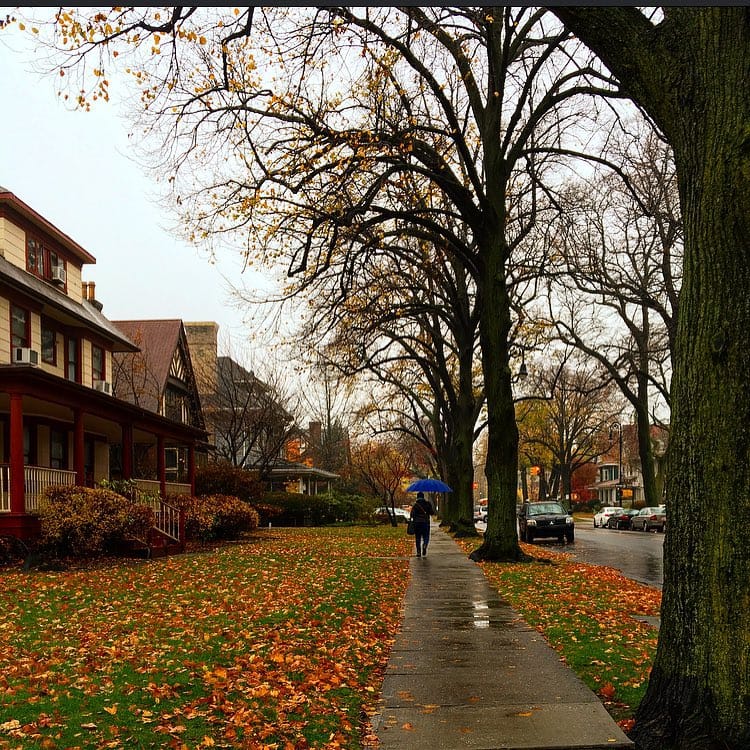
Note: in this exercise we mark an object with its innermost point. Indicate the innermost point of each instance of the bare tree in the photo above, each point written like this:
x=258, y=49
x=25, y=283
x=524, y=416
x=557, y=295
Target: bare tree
x=251, y=419
x=482, y=104
x=134, y=378
x=621, y=252
x=566, y=426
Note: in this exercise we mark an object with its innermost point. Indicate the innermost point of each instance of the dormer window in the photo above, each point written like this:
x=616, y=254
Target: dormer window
x=44, y=262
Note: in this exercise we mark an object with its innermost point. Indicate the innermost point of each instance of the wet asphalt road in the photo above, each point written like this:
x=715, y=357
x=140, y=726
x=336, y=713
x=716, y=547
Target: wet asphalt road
x=636, y=554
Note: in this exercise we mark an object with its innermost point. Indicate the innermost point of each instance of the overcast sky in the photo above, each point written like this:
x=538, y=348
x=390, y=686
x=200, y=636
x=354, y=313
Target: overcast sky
x=73, y=168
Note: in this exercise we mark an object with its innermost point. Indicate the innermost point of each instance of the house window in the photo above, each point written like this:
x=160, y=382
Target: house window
x=97, y=363
x=40, y=259
x=29, y=445
x=19, y=326
x=58, y=449
x=35, y=257
x=49, y=339
x=174, y=404
x=71, y=360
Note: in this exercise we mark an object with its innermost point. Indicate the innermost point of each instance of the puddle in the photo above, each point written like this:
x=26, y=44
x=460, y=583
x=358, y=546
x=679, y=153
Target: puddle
x=481, y=614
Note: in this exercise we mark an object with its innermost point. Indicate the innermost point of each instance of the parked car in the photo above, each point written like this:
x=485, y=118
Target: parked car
x=383, y=515
x=622, y=520
x=601, y=517
x=650, y=519
x=480, y=515
x=545, y=519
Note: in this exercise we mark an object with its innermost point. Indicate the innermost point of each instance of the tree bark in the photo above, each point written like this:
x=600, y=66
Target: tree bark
x=692, y=74
x=501, y=467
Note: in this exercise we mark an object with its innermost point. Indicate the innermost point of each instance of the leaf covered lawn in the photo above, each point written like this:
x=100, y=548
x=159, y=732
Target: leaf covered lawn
x=279, y=641
x=592, y=615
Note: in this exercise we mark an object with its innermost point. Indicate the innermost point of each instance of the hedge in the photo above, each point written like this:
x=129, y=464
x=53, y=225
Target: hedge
x=293, y=509
x=209, y=517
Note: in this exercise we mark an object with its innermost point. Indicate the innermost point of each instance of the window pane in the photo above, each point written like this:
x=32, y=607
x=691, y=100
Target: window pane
x=97, y=363
x=34, y=257
x=20, y=326
x=58, y=449
x=72, y=360
x=49, y=353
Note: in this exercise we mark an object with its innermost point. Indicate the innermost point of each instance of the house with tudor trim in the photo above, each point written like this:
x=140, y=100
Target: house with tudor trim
x=60, y=421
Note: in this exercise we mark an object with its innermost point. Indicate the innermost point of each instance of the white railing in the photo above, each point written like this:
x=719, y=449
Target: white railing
x=167, y=520
x=4, y=488
x=166, y=516
x=38, y=478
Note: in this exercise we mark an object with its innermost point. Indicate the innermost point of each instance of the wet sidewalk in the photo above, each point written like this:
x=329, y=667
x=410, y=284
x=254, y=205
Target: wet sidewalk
x=467, y=672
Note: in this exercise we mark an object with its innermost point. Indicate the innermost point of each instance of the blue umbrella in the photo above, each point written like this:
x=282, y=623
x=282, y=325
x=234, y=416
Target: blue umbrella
x=428, y=485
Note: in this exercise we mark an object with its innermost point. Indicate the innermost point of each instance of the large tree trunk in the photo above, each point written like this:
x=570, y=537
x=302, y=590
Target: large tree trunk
x=501, y=467
x=699, y=692
x=460, y=477
x=693, y=77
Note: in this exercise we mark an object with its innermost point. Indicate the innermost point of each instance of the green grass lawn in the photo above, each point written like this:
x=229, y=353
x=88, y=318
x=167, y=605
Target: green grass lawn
x=279, y=641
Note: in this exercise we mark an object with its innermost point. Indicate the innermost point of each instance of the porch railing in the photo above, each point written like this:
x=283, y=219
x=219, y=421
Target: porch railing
x=4, y=488
x=36, y=480
x=167, y=518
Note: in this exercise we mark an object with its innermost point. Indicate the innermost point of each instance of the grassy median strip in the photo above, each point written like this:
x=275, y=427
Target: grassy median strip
x=279, y=641
x=589, y=614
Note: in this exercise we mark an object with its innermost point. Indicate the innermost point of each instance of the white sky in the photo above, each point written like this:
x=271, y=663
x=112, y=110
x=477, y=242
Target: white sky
x=73, y=168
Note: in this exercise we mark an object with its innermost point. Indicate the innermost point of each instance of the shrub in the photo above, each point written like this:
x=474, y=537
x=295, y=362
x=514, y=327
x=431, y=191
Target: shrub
x=222, y=478
x=210, y=517
x=86, y=521
x=292, y=509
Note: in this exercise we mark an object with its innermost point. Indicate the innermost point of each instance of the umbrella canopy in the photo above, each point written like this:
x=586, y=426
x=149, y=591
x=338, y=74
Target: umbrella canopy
x=428, y=485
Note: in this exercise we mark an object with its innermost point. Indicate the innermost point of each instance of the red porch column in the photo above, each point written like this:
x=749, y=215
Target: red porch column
x=79, y=454
x=127, y=451
x=17, y=481
x=161, y=465
x=191, y=468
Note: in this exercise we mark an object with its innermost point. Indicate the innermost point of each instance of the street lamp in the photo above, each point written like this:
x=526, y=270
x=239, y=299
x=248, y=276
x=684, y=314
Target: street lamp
x=617, y=426
x=523, y=372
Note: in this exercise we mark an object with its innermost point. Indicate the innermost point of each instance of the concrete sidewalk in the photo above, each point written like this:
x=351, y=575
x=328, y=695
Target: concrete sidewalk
x=467, y=672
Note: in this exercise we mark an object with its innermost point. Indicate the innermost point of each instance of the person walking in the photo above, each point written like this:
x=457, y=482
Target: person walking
x=420, y=516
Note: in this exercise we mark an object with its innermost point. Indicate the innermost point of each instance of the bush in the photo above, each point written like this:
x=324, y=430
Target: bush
x=292, y=509
x=222, y=478
x=85, y=521
x=210, y=517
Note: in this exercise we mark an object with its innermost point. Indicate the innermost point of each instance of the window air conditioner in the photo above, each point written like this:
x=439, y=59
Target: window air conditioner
x=58, y=275
x=24, y=356
x=104, y=386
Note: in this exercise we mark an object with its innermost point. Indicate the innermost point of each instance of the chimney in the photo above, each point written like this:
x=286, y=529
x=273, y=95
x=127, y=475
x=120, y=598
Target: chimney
x=315, y=430
x=89, y=294
x=202, y=340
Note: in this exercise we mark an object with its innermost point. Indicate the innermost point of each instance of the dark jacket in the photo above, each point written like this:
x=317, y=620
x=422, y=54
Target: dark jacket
x=421, y=511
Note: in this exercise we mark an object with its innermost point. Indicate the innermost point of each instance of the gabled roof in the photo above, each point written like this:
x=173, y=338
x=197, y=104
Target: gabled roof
x=158, y=339
x=162, y=343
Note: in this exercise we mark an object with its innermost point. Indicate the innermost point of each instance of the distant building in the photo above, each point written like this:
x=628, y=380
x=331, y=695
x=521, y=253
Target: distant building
x=627, y=490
